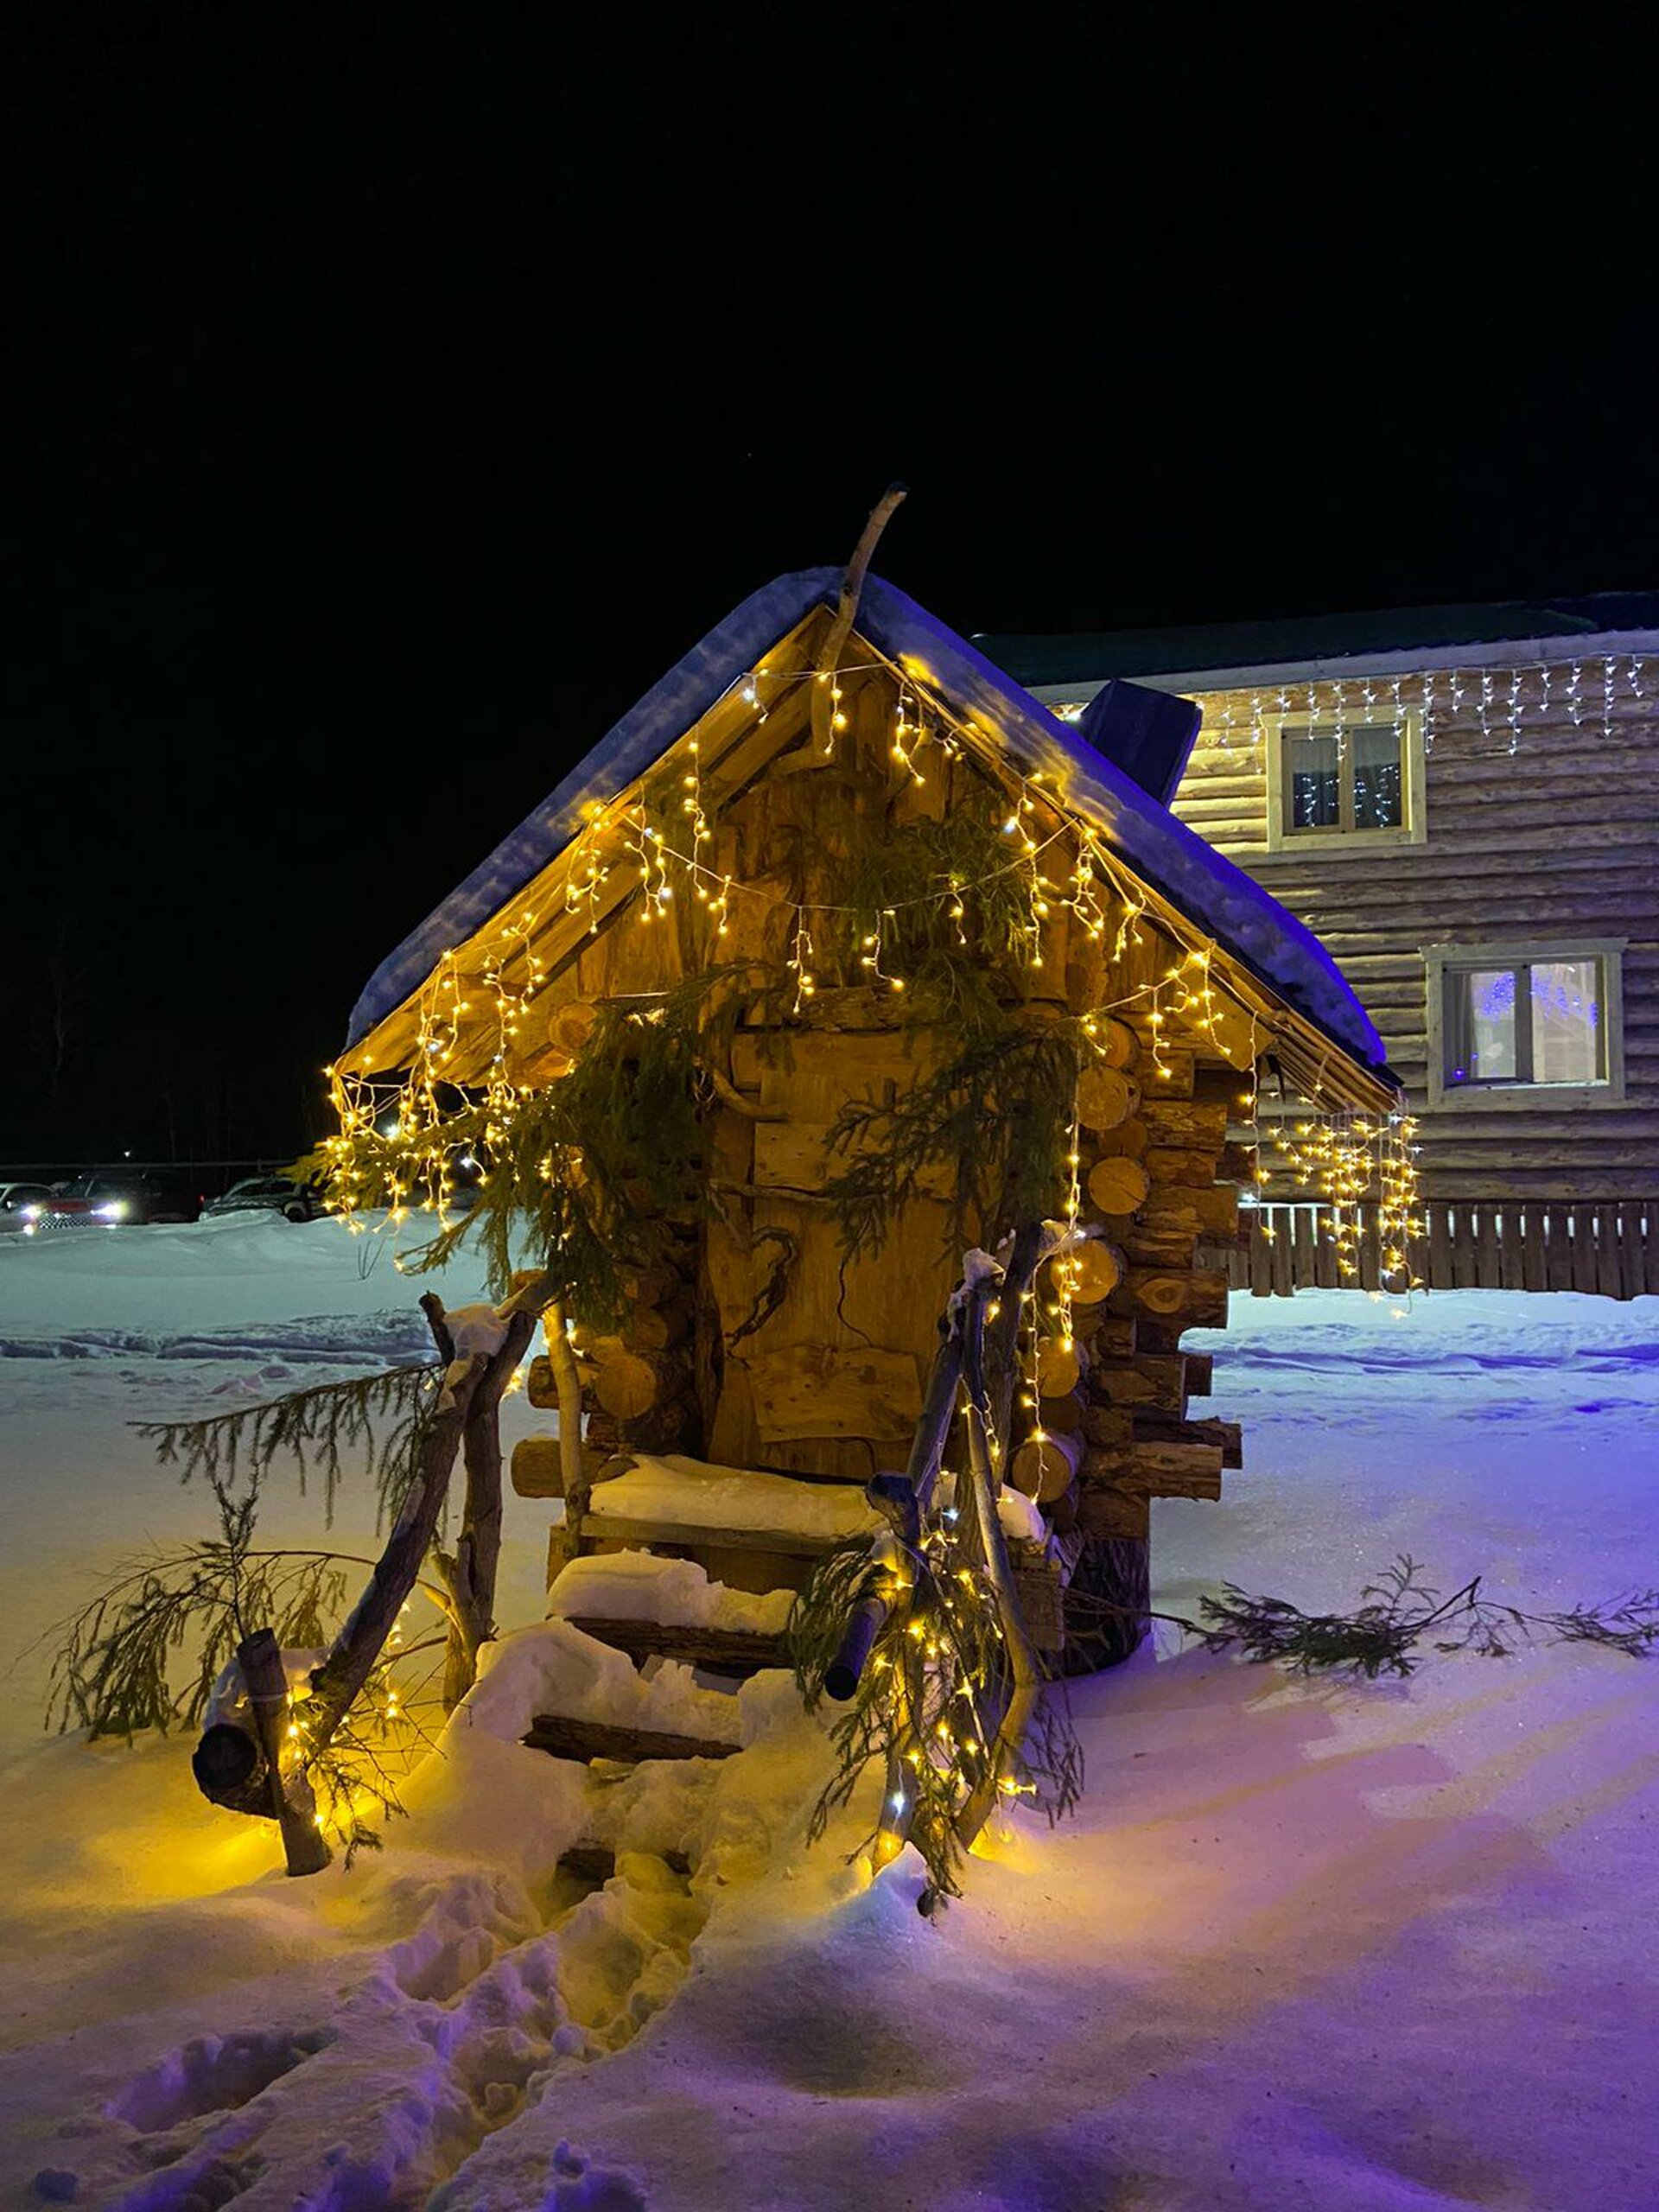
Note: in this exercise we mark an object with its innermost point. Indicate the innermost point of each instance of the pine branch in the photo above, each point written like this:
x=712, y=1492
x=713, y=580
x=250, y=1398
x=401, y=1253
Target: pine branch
x=381, y=1416
x=998, y=1117
x=1399, y=1616
x=146, y=1651
x=925, y=1703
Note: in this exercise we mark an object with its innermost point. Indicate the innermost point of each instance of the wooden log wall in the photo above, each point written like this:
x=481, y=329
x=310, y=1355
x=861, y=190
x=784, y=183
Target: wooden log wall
x=1556, y=839
x=1111, y=1428
x=639, y=1387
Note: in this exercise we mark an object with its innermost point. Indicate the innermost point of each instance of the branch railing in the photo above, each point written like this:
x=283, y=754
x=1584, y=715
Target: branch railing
x=944, y=1526
x=247, y=1762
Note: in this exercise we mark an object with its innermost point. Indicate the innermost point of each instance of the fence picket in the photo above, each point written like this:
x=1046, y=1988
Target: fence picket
x=1534, y=1250
x=1609, y=1247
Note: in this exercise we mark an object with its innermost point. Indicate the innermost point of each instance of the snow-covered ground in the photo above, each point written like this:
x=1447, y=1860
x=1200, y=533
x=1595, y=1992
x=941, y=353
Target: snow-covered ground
x=1359, y=1949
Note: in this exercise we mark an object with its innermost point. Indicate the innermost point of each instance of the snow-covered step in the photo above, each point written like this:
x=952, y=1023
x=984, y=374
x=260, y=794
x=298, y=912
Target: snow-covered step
x=673, y=1500
x=670, y=1608
x=559, y=1691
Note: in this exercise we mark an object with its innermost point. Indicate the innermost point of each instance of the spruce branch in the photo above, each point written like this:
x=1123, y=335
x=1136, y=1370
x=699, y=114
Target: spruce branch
x=1399, y=1616
x=380, y=1417
x=930, y=1680
x=998, y=1117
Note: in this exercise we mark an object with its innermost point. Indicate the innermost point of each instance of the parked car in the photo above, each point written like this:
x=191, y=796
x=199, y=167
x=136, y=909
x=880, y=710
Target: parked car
x=282, y=1194
x=20, y=1202
x=107, y=1201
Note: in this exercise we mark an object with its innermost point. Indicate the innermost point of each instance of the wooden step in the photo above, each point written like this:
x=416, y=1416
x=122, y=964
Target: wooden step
x=564, y=1739
x=596, y=1862
x=788, y=1543
x=1039, y=1580
x=725, y=1651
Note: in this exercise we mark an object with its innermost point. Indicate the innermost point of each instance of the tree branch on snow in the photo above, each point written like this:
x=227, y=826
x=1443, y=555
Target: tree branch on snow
x=1398, y=1618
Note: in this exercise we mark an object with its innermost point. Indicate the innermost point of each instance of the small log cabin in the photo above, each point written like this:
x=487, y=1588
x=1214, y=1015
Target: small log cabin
x=879, y=853
x=1461, y=801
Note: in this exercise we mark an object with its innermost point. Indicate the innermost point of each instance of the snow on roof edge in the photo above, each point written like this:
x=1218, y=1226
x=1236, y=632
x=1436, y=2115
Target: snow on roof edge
x=1213, y=892
x=1205, y=885
x=680, y=698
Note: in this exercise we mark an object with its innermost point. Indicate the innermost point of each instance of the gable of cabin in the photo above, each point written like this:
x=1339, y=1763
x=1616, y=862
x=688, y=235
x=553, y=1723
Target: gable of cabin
x=748, y=844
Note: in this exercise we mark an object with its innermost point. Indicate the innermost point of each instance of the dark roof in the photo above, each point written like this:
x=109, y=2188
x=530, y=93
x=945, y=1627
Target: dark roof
x=1203, y=883
x=1084, y=657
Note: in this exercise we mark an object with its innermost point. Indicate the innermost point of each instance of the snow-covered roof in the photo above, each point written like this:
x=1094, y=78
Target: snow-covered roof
x=1221, y=656
x=1173, y=860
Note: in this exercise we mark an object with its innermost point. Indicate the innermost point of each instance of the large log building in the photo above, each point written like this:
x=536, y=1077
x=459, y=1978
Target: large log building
x=1464, y=802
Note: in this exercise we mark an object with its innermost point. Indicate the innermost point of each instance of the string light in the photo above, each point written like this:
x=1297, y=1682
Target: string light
x=904, y=732
x=800, y=952
x=1346, y=1158
x=406, y=1161
x=1528, y=699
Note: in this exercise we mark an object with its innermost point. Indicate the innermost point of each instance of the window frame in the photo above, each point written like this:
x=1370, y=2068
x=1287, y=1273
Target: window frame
x=1440, y=961
x=1412, y=831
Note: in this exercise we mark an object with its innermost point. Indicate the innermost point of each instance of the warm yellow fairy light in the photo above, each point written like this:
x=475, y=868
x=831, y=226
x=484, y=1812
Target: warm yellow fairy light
x=800, y=953
x=1344, y=1158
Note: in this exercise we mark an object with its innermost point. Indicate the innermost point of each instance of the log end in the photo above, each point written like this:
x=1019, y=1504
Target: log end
x=225, y=1760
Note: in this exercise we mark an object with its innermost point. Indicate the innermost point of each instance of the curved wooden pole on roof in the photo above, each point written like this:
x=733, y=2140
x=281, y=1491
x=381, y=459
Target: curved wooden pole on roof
x=840, y=630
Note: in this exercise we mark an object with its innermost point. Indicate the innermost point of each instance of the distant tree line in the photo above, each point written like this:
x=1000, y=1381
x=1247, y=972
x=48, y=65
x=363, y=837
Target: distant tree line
x=109, y=1052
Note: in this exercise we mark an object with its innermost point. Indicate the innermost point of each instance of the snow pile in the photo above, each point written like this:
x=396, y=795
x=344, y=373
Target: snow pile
x=1363, y=1948
x=678, y=1592
x=1020, y=1517
x=468, y=1976
x=476, y=1332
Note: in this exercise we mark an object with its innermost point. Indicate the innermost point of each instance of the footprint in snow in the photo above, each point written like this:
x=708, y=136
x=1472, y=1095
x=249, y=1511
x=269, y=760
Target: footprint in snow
x=211, y=2074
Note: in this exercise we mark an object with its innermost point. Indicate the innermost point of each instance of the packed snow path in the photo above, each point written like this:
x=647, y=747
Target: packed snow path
x=1359, y=1949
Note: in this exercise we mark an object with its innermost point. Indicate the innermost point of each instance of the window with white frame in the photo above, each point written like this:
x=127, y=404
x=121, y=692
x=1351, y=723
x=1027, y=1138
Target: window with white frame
x=1523, y=1023
x=1352, y=779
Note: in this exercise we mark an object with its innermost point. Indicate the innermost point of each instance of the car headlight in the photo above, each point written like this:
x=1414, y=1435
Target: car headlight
x=114, y=1210
x=30, y=1213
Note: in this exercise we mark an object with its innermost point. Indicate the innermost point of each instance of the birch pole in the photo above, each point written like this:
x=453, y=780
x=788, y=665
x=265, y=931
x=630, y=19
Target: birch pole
x=1025, y=1675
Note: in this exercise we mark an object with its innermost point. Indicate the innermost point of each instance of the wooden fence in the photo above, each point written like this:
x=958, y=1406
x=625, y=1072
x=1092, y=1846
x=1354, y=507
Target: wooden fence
x=1609, y=1246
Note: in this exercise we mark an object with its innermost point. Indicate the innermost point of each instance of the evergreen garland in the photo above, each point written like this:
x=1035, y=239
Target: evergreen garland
x=998, y=1116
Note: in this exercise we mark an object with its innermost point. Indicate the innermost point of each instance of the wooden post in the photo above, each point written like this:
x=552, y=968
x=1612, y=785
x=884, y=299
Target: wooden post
x=1024, y=1677
x=578, y=1482
x=305, y=1845
x=999, y=1344
x=352, y=1657
x=939, y=1407
x=840, y=630
x=566, y=1380
x=864, y=1624
x=472, y=1572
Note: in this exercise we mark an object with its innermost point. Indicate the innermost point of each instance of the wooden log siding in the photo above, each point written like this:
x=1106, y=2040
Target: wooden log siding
x=1607, y=1246
x=1557, y=841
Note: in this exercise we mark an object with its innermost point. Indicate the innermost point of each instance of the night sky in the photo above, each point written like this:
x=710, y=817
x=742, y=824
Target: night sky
x=401, y=391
